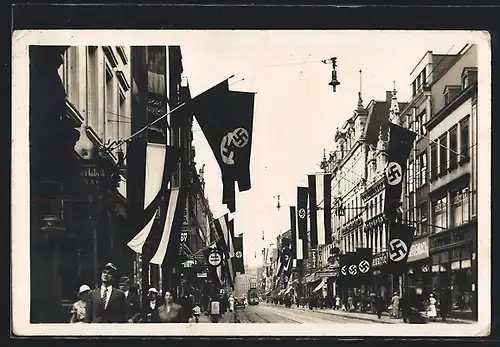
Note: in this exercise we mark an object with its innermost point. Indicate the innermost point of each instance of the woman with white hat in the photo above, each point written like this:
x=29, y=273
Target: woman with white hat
x=78, y=309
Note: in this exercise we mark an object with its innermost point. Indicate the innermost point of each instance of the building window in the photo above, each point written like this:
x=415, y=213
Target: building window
x=411, y=178
x=465, y=81
x=414, y=87
x=443, y=157
x=460, y=206
x=434, y=162
x=439, y=214
x=422, y=160
x=453, y=147
x=423, y=226
x=421, y=120
x=93, y=92
x=71, y=80
x=110, y=103
x=464, y=138
x=424, y=76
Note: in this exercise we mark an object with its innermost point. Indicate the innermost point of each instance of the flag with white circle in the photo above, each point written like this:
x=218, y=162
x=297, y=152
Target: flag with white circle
x=398, y=247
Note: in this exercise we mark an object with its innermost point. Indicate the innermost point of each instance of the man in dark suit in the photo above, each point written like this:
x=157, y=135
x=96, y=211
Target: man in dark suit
x=133, y=300
x=106, y=304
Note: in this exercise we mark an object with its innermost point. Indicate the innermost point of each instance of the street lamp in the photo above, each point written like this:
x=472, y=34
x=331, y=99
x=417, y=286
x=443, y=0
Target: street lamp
x=334, y=82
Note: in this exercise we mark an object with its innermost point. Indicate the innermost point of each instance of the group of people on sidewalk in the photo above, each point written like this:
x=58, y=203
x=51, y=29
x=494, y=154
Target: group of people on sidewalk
x=109, y=304
x=397, y=306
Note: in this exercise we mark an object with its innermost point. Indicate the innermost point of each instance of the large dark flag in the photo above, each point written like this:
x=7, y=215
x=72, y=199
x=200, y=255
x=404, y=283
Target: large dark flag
x=226, y=119
x=320, y=209
x=302, y=195
x=400, y=145
x=400, y=241
x=239, y=265
x=364, y=261
x=295, y=242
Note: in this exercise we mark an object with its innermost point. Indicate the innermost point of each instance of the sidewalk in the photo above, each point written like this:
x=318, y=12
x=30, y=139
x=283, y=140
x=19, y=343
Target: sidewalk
x=228, y=317
x=384, y=319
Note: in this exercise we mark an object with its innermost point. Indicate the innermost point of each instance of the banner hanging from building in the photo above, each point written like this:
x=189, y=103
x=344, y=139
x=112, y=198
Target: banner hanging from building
x=239, y=264
x=398, y=248
x=320, y=209
x=155, y=189
x=302, y=195
x=226, y=119
x=400, y=145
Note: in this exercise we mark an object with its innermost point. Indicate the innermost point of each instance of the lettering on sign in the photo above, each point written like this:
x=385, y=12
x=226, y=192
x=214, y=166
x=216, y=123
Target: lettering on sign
x=380, y=259
x=419, y=250
x=184, y=236
x=92, y=174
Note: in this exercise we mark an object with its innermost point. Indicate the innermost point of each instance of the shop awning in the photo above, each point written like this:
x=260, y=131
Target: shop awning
x=319, y=286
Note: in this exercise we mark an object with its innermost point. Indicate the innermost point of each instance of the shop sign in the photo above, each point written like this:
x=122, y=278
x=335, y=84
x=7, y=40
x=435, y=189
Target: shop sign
x=92, y=174
x=188, y=230
x=201, y=275
x=419, y=250
x=380, y=259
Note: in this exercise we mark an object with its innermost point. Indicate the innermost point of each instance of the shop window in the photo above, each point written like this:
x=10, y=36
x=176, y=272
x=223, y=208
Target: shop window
x=422, y=165
x=444, y=257
x=466, y=253
x=455, y=254
x=439, y=214
x=460, y=206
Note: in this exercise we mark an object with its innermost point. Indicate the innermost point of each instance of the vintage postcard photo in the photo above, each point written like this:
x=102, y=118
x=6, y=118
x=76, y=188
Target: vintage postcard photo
x=252, y=183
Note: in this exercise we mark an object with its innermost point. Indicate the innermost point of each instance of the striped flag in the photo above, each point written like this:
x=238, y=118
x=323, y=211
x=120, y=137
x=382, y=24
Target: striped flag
x=155, y=191
x=320, y=209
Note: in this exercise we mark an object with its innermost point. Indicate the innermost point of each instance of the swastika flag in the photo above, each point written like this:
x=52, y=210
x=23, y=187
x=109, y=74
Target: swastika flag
x=226, y=119
x=400, y=145
x=398, y=247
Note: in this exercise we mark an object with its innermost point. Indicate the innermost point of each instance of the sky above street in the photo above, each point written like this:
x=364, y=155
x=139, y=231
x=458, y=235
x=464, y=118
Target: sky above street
x=296, y=111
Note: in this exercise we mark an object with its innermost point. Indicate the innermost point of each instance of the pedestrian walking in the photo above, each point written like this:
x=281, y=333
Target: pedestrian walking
x=196, y=312
x=432, y=311
x=78, y=309
x=395, y=305
x=337, y=302
x=150, y=307
x=379, y=305
x=445, y=304
x=106, y=304
x=170, y=312
x=133, y=300
x=231, y=303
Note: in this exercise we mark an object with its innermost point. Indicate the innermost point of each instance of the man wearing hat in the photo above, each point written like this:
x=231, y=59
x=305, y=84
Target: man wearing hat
x=133, y=300
x=107, y=304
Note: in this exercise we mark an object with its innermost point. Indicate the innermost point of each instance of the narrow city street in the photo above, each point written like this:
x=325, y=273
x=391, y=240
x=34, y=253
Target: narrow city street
x=270, y=313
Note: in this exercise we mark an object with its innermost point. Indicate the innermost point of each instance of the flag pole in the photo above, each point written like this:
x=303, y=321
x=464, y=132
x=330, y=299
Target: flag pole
x=122, y=142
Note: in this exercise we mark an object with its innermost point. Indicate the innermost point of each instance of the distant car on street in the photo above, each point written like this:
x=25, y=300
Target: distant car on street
x=239, y=303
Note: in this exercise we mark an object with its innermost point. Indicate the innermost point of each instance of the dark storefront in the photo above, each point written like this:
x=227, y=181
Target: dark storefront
x=382, y=280
x=418, y=270
x=453, y=262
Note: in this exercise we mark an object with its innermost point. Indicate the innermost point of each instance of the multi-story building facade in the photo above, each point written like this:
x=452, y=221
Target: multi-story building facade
x=453, y=183
x=347, y=166
x=97, y=81
x=437, y=82
x=425, y=78
x=376, y=138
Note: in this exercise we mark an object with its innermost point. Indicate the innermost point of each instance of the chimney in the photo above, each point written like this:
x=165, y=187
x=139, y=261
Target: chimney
x=388, y=96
